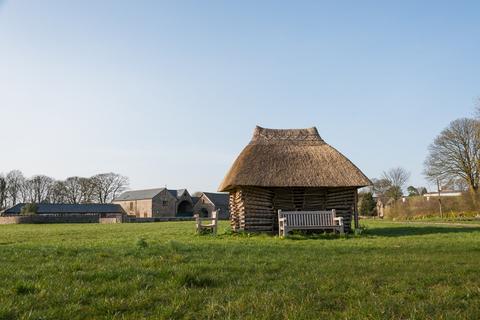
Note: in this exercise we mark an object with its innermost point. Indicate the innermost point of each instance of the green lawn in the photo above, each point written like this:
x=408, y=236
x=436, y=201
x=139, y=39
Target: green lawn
x=92, y=271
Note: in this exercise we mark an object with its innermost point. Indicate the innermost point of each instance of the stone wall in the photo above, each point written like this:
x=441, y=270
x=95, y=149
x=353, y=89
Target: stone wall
x=109, y=220
x=139, y=208
x=70, y=218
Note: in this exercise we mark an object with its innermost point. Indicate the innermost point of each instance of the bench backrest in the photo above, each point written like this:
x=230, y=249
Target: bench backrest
x=308, y=218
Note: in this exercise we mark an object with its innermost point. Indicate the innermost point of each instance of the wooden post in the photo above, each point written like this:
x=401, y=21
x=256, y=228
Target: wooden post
x=355, y=210
x=439, y=198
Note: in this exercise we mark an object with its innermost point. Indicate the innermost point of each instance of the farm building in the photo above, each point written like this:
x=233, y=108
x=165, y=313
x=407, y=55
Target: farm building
x=210, y=201
x=292, y=170
x=160, y=202
x=64, y=213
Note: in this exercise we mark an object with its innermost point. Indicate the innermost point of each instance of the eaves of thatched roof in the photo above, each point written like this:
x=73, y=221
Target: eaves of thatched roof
x=291, y=158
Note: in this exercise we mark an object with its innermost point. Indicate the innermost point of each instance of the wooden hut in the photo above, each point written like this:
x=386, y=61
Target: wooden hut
x=293, y=170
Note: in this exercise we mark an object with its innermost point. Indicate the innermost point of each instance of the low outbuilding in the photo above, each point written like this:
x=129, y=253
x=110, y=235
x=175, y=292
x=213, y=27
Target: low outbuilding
x=63, y=213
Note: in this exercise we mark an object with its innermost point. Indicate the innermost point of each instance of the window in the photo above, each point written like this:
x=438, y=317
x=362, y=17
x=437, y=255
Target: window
x=164, y=203
x=131, y=206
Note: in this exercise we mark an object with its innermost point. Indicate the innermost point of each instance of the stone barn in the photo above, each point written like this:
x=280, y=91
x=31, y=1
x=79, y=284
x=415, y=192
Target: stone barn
x=291, y=170
x=160, y=202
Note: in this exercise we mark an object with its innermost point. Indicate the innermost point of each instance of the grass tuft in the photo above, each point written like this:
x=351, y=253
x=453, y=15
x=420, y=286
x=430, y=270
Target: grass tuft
x=192, y=280
x=141, y=243
x=22, y=289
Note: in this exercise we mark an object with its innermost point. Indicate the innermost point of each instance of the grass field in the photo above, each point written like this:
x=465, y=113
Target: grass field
x=162, y=270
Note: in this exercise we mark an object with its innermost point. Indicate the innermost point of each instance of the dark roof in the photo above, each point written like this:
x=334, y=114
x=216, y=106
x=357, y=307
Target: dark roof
x=46, y=208
x=195, y=200
x=218, y=199
x=177, y=193
x=139, y=194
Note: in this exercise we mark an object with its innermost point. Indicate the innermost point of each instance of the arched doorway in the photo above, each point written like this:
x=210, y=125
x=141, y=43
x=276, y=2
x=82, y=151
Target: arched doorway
x=185, y=209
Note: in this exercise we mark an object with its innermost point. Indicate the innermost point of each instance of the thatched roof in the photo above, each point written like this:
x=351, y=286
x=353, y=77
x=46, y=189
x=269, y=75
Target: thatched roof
x=291, y=158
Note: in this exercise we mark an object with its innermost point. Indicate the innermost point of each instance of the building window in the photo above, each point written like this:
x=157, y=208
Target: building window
x=131, y=206
x=164, y=203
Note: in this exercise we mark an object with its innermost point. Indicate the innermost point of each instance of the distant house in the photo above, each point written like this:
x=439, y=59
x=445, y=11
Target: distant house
x=160, y=202
x=210, y=201
x=443, y=193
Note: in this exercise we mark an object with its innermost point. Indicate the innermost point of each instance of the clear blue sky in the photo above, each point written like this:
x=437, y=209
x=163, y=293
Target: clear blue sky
x=168, y=93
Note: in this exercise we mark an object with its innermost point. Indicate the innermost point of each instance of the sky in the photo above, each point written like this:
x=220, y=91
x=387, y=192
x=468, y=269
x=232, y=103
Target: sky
x=168, y=92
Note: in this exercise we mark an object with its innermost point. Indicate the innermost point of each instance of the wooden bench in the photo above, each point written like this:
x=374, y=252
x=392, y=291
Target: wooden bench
x=308, y=220
x=211, y=225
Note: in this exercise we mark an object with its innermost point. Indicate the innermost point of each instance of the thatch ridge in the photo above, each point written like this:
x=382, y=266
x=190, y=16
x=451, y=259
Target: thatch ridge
x=291, y=158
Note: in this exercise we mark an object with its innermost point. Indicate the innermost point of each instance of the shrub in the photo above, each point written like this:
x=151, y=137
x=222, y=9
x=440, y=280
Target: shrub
x=367, y=204
x=418, y=207
x=29, y=209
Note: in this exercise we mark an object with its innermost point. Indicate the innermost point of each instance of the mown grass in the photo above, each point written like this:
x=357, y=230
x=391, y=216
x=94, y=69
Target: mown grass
x=164, y=271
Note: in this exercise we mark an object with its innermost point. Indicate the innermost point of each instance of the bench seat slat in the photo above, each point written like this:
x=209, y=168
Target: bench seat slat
x=290, y=220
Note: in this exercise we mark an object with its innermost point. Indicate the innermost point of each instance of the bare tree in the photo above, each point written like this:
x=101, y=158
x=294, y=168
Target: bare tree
x=397, y=177
x=3, y=192
x=108, y=185
x=87, y=190
x=57, y=192
x=455, y=153
x=15, y=182
x=40, y=188
x=73, y=189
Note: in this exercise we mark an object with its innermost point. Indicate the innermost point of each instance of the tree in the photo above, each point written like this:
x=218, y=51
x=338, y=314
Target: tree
x=455, y=153
x=73, y=189
x=390, y=185
x=367, y=204
x=40, y=188
x=57, y=193
x=397, y=177
x=87, y=190
x=108, y=185
x=3, y=192
x=395, y=193
x=15, y=182
x=381, y=187
x=412, y=191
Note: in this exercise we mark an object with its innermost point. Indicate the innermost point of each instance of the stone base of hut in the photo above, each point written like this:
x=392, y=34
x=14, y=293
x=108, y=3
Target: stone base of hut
x=254, y=209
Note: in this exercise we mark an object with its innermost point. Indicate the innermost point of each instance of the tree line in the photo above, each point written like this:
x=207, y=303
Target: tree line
x=101, y=188
x=453, y=162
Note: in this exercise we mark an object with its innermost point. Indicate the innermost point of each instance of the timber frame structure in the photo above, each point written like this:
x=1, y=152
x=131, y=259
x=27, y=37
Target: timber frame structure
x=291, y=170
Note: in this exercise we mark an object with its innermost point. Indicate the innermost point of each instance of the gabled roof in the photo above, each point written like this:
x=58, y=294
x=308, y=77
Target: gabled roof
x=139, y=194
x=195, y=200
x=218, y=199
x=46, y=208
x=291, y=158
x=177, y=193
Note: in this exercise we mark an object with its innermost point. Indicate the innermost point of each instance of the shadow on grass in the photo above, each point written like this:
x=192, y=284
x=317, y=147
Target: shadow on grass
x=418, y=231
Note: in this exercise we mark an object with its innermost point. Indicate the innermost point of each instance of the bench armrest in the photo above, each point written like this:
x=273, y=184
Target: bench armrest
x=339, y=219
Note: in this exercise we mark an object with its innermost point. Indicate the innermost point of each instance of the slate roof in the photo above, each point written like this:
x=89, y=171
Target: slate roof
x=195, y=200
x=46, y=208
x=218, y=199
x=177, y=193
x=139, y=194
